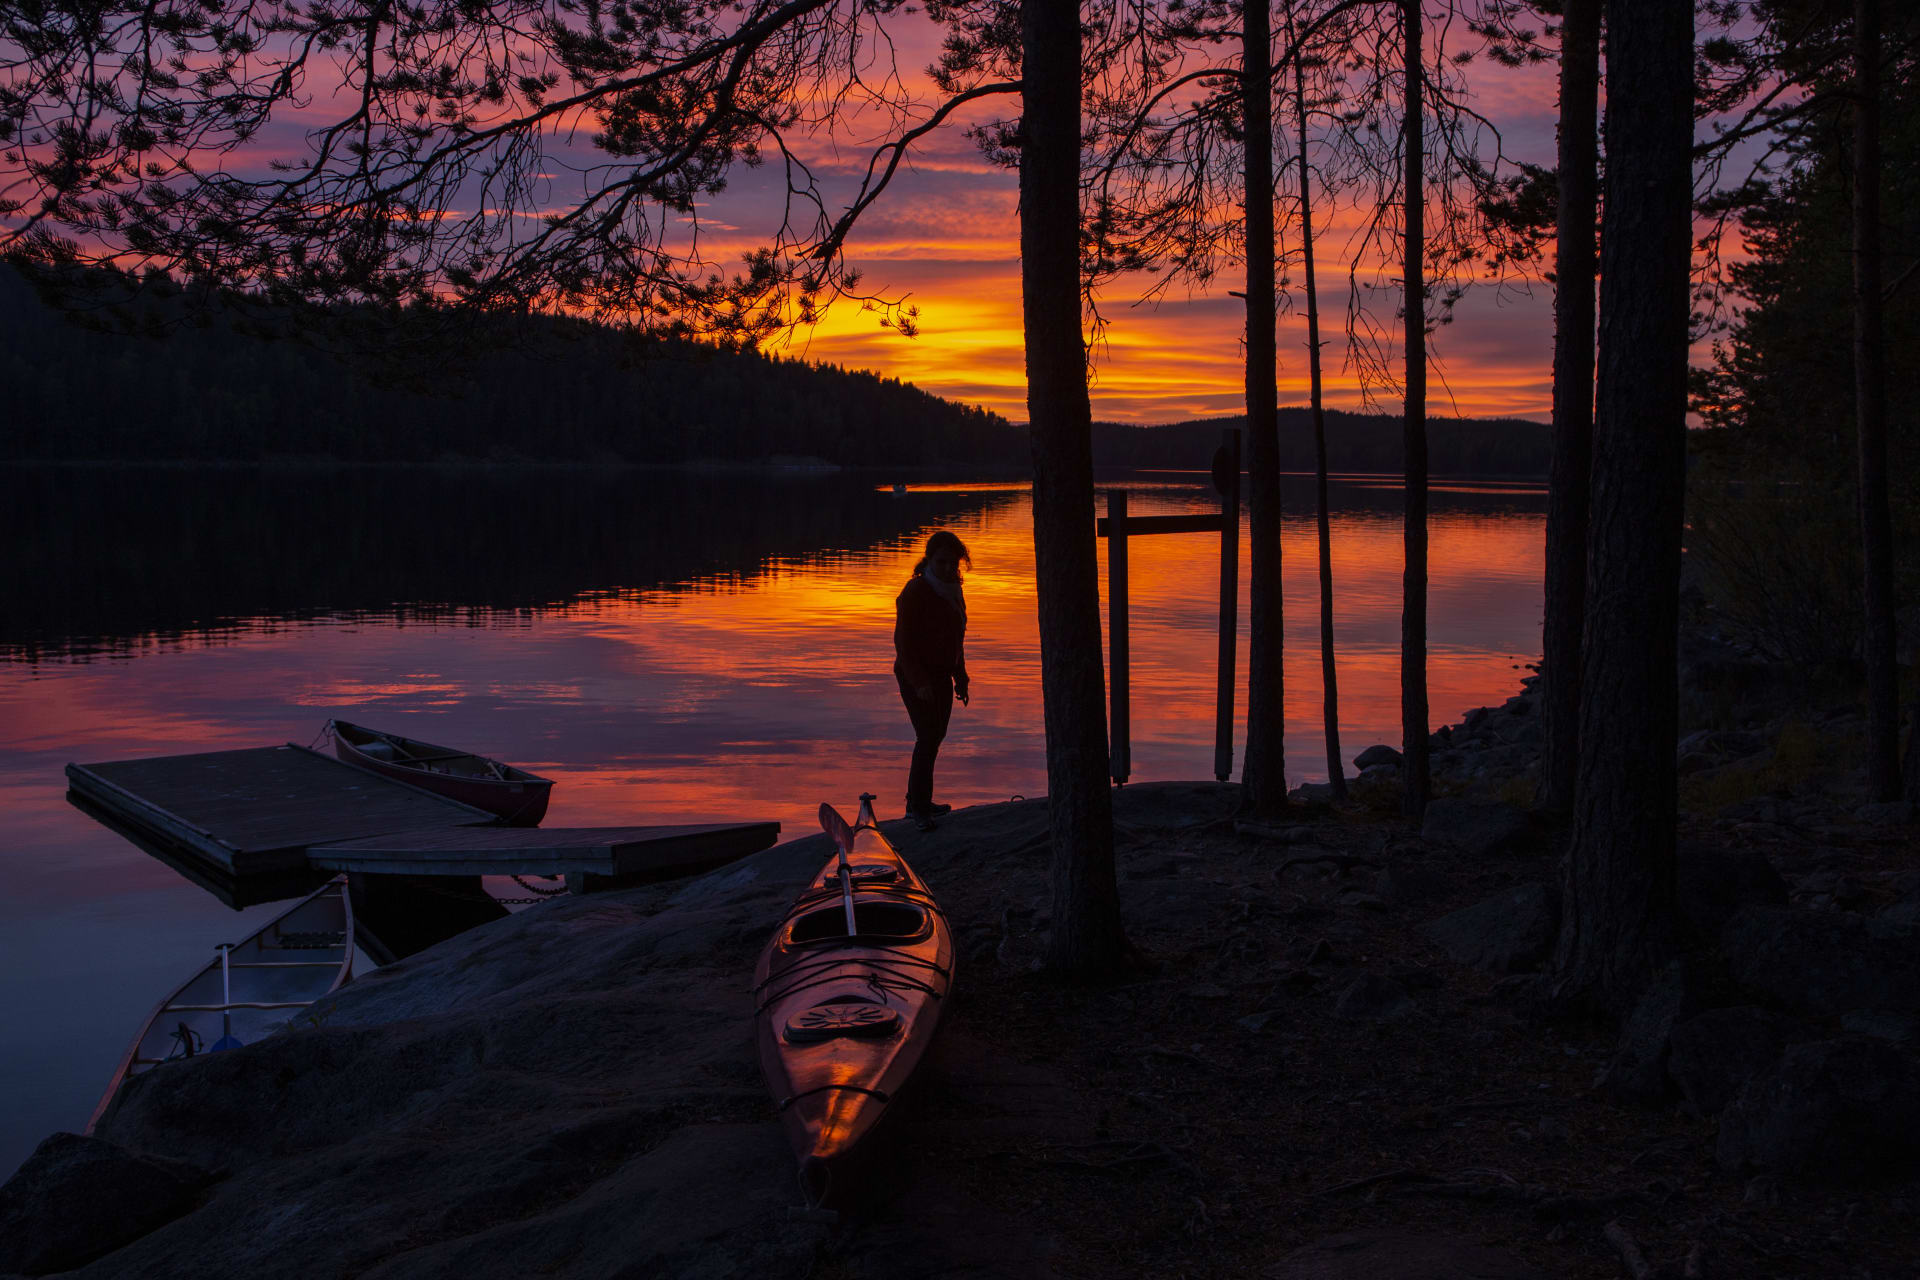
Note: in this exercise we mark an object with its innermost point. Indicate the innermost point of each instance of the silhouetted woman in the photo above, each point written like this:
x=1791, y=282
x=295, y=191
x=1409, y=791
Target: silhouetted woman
x=930, y=661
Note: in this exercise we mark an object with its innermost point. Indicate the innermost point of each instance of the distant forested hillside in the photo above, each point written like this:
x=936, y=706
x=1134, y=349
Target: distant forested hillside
x=1355, y=442
x=209, y=391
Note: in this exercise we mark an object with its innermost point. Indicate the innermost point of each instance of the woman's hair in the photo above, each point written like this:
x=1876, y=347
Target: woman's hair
x=944, y=542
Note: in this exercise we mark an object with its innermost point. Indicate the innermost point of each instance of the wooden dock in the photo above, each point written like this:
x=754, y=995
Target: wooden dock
x=632, y=854
x=257, y=820
x=258, y=810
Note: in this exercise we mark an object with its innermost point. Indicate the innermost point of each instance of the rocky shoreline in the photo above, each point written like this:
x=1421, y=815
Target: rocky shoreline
x=1335, y=1068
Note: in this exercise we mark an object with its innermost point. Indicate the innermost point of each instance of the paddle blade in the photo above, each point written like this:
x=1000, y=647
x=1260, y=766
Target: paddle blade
x=836, y=827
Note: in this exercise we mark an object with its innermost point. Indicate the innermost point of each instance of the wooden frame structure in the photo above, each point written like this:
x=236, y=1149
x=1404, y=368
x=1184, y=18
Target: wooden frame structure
x=1117, y=527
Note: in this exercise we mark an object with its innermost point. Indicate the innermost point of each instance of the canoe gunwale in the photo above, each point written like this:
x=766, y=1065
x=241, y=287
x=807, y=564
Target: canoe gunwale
x=343, y=973
x=508, y=773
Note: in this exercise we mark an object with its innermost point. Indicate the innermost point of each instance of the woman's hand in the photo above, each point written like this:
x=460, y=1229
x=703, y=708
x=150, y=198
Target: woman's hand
x=960, y=690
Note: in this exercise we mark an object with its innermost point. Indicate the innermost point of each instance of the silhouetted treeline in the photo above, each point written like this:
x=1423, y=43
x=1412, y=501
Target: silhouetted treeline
x=104, y=557
x=1355, y=442
x=207, y=389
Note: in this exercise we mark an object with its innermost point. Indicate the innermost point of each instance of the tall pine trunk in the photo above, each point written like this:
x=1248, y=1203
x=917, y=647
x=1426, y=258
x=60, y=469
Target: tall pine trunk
x=1870, y=410
x=1617, y=914
x=1568, y=489
x=1087, y=938
x=1329, y=685
x=1263, y=778
x=1413, y=612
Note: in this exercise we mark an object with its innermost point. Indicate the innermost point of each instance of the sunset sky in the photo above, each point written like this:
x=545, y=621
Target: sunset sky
x=946, y=235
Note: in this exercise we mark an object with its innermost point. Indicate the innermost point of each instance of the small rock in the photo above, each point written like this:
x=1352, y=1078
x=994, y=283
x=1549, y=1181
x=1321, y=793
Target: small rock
x=1406, y=886
x=1894, y=813
x=1553, y=1131
x=1372, y=998
x=1881, y=1024
x=1477, y=829
x=1403, y=1255
x=1377, y=754
x=1508, y=933
x=1907, y=912
x=1257, y=1022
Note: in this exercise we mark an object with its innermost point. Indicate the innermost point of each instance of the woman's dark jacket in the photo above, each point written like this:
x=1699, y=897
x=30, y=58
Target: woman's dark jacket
x=929, y=637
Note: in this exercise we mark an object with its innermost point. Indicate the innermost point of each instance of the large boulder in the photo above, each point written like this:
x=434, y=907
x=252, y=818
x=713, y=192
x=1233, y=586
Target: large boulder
x=1638, y=1071
x=77, y=1198
x=1714, y=1054
x=1404, y=885
x=1844, y=1110
x=1824, y=963
x=1478, y=829
x=1511, y=932
x=1377, y=754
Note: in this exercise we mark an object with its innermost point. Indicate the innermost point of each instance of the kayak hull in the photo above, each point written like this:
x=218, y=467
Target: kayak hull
x=844, y=1018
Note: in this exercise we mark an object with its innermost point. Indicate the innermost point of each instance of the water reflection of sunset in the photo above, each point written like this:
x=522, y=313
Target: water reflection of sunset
x=763, y=694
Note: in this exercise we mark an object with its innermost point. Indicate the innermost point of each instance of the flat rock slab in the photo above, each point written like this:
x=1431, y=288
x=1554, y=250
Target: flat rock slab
x=1388, y=1254
x=573, y=1091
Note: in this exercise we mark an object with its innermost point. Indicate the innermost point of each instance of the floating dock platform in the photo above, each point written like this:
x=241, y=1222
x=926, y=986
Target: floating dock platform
x=278, y=816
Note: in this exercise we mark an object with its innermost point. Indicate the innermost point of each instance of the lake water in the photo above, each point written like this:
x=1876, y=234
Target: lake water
x=668, y=647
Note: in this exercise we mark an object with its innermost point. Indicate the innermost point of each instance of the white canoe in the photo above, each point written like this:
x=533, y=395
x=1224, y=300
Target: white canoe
x=250, y=989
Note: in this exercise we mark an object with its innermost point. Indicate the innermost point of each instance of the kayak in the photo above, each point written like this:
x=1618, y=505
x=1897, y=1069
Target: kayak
x=516, y=797
x=250, y=989
x=849, y=992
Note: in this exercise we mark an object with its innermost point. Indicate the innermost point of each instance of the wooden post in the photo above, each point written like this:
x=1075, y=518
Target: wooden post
x=1226, y=478
x=1119, y=759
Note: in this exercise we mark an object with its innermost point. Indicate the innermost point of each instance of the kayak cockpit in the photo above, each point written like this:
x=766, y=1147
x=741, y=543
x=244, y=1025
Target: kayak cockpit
x=881, y=922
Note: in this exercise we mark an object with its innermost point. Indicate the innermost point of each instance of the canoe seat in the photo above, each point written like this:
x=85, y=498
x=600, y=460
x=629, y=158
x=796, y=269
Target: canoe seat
x=847, y=1016
x=888, y=921
x=297, y=940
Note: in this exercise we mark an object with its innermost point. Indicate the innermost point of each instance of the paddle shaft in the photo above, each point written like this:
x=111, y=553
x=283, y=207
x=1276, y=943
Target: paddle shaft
x=846, y=891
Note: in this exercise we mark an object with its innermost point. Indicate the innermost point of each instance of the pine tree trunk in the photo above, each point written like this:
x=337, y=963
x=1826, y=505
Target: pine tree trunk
x=1617, y=914
x=1087, y=939
x=1329, y=684
x=1567, y=493
x=1263, y=778
x=1870, y=411
x=1413, y=611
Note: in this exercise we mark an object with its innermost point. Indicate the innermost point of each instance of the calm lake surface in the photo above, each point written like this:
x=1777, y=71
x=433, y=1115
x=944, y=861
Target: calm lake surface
x=668, y=647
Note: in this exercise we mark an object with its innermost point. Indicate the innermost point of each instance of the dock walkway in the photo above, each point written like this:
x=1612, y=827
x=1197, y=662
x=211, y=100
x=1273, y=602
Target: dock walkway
x=261, y=813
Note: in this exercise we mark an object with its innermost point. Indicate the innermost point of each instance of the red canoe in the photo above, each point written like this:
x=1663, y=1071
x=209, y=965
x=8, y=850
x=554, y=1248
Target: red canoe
x=516, y=797
x=845, y=1014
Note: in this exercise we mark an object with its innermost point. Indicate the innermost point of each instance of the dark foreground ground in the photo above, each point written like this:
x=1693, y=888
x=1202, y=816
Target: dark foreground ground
x=1307, y=1083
